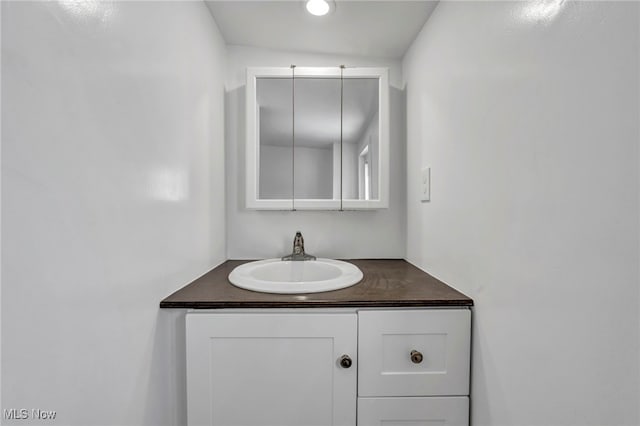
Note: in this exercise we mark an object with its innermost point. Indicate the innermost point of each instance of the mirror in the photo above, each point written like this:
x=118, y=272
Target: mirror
x=317, y=138
x=360, y=139
x=296, y=150
x=275, y=138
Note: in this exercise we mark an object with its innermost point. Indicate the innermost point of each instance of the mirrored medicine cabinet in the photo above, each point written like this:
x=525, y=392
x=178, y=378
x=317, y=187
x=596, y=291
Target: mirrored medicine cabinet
x=317, y=138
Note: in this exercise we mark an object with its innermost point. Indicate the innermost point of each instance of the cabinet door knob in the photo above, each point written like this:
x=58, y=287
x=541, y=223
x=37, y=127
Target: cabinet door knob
x=345, y=361
x=416, y=357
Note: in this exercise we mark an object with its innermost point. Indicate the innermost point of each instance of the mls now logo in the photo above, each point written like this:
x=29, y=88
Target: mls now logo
x=23, y=414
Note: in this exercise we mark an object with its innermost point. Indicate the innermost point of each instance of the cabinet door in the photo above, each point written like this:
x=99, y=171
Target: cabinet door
x=429, y=411
x=272, y=369
x=441, y=339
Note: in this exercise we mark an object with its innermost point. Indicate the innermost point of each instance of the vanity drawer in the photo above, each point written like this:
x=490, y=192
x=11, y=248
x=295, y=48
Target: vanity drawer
x=438, y=339
x=450, y=411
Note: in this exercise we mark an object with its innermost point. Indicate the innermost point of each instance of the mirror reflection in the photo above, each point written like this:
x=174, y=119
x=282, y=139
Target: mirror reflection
x=318, y=138
x=274, y=112
x=360, y=139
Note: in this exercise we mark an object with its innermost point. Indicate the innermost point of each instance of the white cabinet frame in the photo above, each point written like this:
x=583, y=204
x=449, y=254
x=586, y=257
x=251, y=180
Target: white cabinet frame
x=231, y=350
x=252, y=147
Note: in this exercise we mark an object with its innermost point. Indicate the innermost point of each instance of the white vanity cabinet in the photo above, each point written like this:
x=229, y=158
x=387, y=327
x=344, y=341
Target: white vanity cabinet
x=271, y=369
x=342, y=367
x=413, y=367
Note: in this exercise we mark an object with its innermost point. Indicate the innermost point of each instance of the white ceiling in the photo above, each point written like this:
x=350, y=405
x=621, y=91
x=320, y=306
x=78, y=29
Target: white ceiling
x=383, y=29
x=317, y=110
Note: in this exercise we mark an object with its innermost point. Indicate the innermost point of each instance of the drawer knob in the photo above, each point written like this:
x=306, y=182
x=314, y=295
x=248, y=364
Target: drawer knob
x=416, y=357
x=345, y=361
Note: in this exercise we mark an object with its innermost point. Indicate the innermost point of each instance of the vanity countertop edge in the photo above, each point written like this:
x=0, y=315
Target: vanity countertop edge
x=386, y=283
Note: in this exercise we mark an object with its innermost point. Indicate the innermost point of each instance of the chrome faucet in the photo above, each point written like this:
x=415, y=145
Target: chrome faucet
x=298, y=249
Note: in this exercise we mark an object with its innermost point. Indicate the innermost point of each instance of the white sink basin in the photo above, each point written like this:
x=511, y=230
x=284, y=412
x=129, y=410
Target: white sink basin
x=309, y=276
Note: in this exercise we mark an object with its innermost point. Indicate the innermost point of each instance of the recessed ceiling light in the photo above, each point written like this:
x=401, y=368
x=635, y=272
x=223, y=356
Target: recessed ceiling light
x=318, y=7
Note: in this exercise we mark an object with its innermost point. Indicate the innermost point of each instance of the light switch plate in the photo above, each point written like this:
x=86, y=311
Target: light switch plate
x=425, y=184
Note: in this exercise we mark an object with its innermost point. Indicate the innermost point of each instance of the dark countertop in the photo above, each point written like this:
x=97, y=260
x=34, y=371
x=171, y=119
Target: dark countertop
x=386, y=282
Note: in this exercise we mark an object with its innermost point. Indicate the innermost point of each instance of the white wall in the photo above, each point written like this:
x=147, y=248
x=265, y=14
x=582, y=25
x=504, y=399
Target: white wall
x=260, y=234
x=112, y=198
x=276, y=167
x=314, y=172
x=349, y=164
x=528, y=114
x=370, y=137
